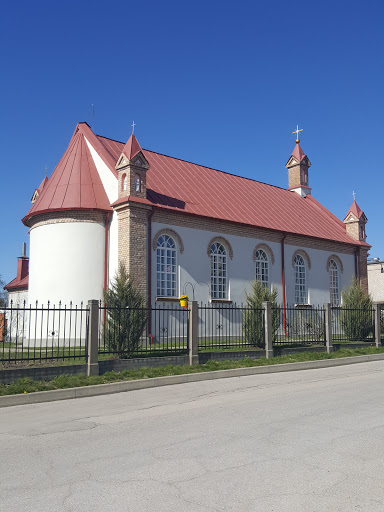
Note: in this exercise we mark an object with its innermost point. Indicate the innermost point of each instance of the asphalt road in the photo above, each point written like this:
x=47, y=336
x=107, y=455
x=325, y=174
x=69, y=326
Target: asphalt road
x=303, y=441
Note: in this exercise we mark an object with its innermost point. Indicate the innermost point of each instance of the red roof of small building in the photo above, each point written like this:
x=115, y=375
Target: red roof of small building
x=186, y=187
x=74, y=184
x=355, y=209
x=17, y=284
x=22, y=277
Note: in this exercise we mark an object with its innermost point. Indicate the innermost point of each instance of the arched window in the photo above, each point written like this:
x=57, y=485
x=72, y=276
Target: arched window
x=137, y=183
x=218, y=257
x=334, y=288
x=300, y=280
x=262, y=267
x=166, y=266
x=124, y=183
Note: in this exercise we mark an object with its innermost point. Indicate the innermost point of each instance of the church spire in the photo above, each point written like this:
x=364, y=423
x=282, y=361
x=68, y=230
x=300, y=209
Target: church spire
x=355, y=222
x=298, y=165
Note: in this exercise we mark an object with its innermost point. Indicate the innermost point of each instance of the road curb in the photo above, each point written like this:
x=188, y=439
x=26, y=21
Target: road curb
x=132, y=385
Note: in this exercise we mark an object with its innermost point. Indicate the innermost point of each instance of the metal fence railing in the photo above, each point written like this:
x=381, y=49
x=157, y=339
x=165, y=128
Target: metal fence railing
x=298, y=325
x=51, y=333
x=42, y=332
x=141, y=332
x=230, y=327
x=352, y=325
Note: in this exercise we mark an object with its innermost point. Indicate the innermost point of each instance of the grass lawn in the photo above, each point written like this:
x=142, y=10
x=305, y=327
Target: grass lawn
x=27, y=385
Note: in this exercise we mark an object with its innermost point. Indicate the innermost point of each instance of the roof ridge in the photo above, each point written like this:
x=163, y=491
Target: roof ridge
x=70, y=174
x=109, y=138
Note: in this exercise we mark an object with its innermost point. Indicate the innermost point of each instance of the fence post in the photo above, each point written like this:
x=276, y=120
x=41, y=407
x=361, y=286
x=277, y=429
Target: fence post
x=193, y=346
x=328, y=327
x=268, y=333
x=376, y=315
x=93, y=339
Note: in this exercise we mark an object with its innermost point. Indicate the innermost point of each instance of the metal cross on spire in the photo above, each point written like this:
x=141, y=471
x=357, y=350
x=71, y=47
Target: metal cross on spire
x=297, y=133
x=354, y=195
x=133, y=126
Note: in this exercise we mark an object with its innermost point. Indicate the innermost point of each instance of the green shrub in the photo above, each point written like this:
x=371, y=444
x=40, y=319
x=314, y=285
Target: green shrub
x=356, y=317
x=126, y=315
x=253, y=317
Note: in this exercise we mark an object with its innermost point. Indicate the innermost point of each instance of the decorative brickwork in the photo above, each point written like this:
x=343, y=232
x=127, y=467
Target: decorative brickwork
x=298, y=172
x=43, y=219
x=265, y=248
x=172, y=233
x=223, y=241
x=356, y=227
x=304, y=254
x=338, y=261
x=132, y=241
x=231, y=228
x=363, y=273
x=135, y=171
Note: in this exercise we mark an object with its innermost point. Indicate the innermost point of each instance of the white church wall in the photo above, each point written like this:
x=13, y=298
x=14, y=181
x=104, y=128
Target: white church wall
x=194, y=267
x=109, y=182
x=194, y=264
x=317, y=276
x=72, y=269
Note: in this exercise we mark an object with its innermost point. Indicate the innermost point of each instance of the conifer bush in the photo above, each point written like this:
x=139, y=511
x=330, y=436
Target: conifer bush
x=126, y=315
x=356, y=317
x=253, y=316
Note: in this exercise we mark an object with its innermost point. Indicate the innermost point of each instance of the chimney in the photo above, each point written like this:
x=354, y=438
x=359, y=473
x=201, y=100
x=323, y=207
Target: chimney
x=22, y=263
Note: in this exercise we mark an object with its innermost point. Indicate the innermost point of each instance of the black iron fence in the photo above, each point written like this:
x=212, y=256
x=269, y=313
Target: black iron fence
x=50, y=332
x=142, y=332
x=352, y=325
x=298, y=325
x=230, y=327
x=42, y=332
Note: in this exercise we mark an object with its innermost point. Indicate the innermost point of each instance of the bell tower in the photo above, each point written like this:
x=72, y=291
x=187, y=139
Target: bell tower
x=133, y=209
x=132, y=167
x=298, y=165
x=355, y=222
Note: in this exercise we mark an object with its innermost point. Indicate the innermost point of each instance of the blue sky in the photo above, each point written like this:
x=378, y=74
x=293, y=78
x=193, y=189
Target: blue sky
x=218, y=83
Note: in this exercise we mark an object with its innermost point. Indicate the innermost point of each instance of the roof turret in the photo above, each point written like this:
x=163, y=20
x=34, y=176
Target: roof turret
x=75, y=183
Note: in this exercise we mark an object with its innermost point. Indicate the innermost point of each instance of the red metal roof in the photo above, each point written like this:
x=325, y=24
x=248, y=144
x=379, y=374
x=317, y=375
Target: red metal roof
x=186, y=187
x=132, y=147
x=355, y=209
x=74, y=184
x=17, y=284
x=298, y=153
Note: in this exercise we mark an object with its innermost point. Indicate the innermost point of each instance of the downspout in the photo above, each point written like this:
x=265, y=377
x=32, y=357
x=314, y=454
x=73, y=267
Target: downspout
x=149, y=273
x=106, y=237
x=357, y=252
x=283, y=283
x=106, y=251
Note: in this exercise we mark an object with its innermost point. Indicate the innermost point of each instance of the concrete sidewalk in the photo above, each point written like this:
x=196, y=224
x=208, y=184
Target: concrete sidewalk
x=119, y=387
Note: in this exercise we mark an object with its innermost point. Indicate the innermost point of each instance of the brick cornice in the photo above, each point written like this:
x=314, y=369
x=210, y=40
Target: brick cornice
x=183, y=219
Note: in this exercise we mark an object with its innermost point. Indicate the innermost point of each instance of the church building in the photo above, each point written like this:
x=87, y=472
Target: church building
x=181, y=228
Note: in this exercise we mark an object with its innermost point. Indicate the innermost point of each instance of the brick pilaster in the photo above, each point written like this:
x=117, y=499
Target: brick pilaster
x=363, y=272
x=132, y=241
